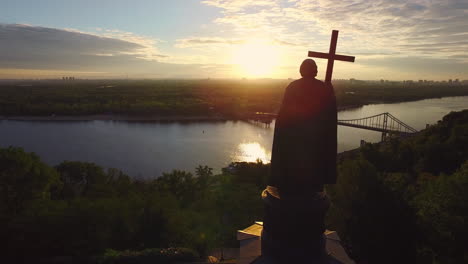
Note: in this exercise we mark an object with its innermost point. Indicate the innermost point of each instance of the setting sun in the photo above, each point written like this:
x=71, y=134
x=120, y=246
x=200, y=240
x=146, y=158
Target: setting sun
x=256, y=58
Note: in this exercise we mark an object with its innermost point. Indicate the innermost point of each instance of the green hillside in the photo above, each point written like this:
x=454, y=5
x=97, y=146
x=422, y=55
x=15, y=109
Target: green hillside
x=403, y=201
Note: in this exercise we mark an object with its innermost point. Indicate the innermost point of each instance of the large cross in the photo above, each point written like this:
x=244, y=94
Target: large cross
x=331, y=56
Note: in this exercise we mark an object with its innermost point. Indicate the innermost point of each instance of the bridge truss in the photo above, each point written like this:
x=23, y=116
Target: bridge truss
x=385, y=123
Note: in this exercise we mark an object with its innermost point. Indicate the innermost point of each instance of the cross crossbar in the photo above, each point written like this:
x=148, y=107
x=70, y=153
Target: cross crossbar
x=327, y=56
x=331, y=56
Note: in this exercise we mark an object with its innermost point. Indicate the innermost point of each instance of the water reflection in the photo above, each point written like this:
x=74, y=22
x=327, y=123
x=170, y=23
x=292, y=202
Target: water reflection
x=148, y=149
x=251, y=152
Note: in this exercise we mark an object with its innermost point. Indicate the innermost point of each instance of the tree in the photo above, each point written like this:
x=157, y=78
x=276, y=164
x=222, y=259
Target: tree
x=24, y=178
x=371, y=218
x=443, y=216
x=83, y=179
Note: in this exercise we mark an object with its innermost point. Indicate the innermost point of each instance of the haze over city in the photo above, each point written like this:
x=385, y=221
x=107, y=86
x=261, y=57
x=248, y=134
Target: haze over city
x=394, y=40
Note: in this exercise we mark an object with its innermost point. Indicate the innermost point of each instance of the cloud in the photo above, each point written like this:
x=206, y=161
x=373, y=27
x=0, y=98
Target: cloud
x=386, y=26
x=219, y=42
x=27, y=50
x=410, y=67
x=206, y=41
x=25, y=46
x=384, y=34
x=287, y=43
x=238, y=5
x=406, y=32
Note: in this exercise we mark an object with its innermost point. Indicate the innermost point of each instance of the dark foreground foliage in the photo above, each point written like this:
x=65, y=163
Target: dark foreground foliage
x=78, y=209
x=149, y=256
x=403, y=201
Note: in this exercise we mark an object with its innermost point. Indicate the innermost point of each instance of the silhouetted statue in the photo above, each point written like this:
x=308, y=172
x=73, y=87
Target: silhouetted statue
x=304, y=145
x=303, y=160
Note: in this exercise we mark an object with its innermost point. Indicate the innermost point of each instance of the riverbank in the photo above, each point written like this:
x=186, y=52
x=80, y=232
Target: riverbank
x=174, y=100
x=109, y=117
x=169, y=118
x=146, y=149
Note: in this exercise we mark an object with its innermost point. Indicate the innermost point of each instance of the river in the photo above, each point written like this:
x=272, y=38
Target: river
x=148, y=149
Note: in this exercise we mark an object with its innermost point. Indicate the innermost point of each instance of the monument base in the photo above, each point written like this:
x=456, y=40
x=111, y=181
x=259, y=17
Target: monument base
x=293, y=231
x=293, y=228
x=250, y=248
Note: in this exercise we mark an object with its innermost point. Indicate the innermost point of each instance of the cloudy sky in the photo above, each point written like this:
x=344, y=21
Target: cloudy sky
x=391, y=39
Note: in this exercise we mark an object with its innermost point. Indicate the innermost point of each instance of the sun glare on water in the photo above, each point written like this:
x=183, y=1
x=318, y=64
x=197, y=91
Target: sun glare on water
x=251, y=152
x=256, y=58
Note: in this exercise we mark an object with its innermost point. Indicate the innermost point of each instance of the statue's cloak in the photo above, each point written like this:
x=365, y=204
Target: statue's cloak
x=305, y=141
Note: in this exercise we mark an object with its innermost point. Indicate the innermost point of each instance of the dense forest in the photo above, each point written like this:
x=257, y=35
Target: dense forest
x=402, y=201
x=232, y=99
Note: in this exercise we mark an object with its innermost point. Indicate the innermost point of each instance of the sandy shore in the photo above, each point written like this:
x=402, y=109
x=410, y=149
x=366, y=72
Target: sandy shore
x=115, y=118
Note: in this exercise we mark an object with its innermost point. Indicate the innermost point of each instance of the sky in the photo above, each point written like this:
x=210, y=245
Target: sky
x=391, y=39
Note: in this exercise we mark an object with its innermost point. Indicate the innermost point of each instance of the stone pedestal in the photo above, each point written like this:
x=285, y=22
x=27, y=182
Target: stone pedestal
x=293, y=228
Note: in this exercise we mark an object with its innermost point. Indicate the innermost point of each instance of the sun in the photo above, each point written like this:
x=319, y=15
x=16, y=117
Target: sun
x=256, y=58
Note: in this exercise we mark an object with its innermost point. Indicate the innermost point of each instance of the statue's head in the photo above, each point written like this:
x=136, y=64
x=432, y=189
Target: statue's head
x=308, y=68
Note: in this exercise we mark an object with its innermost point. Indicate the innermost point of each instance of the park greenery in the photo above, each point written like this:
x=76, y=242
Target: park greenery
x=401, y=201
x=404, y=201
x=230, y=99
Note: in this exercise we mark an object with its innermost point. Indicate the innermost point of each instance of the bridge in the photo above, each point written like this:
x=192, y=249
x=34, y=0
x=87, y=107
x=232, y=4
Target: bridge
x=385, y=123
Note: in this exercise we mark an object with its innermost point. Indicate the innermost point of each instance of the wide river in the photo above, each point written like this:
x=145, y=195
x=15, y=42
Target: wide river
x=148, y=149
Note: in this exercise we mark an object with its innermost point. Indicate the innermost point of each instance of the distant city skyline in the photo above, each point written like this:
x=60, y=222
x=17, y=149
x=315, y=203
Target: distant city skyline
x=391, y=40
